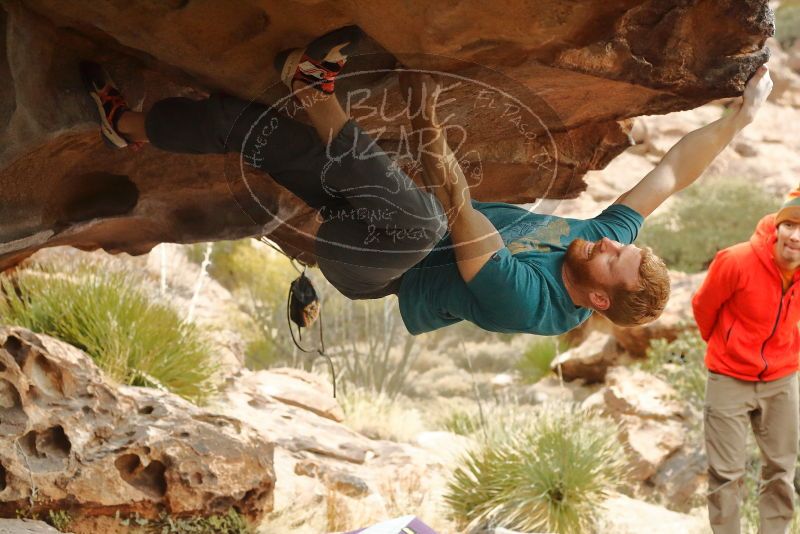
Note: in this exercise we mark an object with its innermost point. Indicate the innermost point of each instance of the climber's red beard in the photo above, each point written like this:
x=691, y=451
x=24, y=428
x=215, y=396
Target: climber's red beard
x=577, y=263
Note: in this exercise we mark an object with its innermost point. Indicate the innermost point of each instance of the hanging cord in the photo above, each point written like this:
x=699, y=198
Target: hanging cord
x=319, y=350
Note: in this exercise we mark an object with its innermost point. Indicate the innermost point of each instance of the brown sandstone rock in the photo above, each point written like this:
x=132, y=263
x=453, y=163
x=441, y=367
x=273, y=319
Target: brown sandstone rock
x=679, y=478
x=590, y=360
x=76, y=441
x=591, y=63
x=650, y=415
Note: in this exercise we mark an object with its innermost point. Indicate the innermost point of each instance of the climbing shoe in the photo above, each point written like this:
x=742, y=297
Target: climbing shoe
x=321, y=61
x=109, y=101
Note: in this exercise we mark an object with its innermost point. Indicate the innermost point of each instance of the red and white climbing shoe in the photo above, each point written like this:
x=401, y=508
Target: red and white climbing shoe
x=109, y=101
x=321, y=61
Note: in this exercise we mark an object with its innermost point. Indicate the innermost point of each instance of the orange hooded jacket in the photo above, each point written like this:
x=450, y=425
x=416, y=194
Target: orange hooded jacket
x=750, y=324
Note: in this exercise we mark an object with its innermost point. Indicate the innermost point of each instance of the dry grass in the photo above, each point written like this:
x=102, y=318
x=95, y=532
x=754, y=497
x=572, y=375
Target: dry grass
x=379, y=417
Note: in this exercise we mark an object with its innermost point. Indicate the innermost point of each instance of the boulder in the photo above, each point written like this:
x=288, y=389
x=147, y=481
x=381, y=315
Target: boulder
x=679, y=478
x=649, y=443
x=634, y=392
x=590, y=360
x=324, y=467
x=71, y=439
x=650, y=416
x=566, y=78
x=290, y=425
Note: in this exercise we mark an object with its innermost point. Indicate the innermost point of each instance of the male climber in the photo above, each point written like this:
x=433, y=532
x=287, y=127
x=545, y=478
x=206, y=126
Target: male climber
x=446, y=257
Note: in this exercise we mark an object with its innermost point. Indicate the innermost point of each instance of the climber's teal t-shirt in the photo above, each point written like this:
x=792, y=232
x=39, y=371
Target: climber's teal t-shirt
x=520, y=288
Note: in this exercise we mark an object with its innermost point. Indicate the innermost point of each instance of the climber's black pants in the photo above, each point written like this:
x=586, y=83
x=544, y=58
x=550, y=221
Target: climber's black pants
x=377, y=223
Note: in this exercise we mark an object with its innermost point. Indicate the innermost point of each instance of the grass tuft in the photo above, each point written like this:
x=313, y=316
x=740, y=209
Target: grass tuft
x=133, y=339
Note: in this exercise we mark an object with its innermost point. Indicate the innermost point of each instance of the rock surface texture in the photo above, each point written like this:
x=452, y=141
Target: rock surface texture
x=71, y=440
x=652, y=420
x=321, y=464
x=25, y=526
x=580, y=69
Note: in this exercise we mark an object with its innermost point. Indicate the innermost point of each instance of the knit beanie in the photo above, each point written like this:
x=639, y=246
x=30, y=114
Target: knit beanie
x=790, y=209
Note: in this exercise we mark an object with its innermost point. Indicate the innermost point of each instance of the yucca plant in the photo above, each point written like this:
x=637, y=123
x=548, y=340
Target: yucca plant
x=549, y=475
x=134, y=339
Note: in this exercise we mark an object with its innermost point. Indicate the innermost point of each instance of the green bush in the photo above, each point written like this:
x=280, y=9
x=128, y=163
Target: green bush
x=787, y=22
x=682, y=364
x=102, y=311
x=706, y=218
x=534, y=364
x=550, y=474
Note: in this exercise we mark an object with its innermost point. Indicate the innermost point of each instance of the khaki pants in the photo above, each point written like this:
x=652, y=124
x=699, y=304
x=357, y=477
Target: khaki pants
x=771, y=408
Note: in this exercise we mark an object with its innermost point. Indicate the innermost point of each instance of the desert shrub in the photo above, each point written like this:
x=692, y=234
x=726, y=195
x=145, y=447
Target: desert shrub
x=534, y=363
x=705, y=219
x=787, y=22
x=59, y=520
x=550, y=474
x=369, y=343
x=488, y=419
x=681, y=363
x=102, y=311
x=366, y=339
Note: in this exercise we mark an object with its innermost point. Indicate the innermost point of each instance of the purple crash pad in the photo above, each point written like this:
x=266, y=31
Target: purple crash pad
x=401, y=525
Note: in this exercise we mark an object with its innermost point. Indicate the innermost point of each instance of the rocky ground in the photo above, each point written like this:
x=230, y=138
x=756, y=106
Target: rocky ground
x=332, y=471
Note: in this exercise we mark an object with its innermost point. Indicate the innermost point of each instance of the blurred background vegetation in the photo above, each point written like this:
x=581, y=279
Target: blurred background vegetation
x=704, y=219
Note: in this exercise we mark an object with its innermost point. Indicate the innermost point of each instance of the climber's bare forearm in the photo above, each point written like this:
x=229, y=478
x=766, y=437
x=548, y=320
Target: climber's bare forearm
x=686, y=161
x=474, y=237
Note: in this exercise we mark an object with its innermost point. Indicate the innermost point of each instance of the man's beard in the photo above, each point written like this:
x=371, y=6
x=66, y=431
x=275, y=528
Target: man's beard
x=577, y=265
